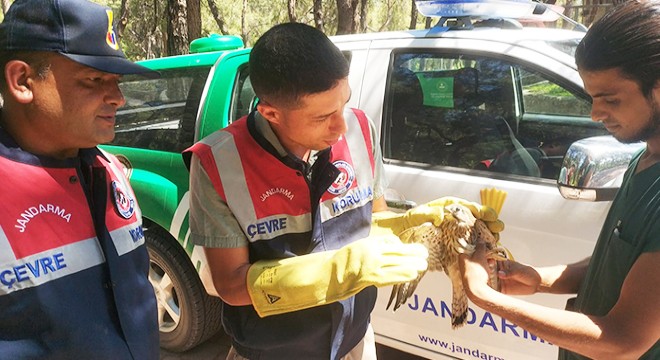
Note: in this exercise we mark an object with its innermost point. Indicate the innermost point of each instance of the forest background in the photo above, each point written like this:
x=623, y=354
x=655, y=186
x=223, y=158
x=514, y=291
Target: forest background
x=155, y=28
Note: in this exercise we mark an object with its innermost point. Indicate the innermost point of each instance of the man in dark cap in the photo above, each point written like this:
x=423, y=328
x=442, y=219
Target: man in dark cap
x=73, y=260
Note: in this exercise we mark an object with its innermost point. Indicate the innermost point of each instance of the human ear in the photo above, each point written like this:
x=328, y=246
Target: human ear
x=269, y=112
x=19, y=77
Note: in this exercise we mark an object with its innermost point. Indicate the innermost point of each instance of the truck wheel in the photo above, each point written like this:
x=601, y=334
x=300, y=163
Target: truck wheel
x=187, y=315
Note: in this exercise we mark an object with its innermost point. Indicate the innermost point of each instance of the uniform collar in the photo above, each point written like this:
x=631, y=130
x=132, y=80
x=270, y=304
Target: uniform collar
x=11, y=150
x=262, y=127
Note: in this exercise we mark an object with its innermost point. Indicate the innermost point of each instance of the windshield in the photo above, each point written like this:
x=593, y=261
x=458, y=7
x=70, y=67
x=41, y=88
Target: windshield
x=567, y=46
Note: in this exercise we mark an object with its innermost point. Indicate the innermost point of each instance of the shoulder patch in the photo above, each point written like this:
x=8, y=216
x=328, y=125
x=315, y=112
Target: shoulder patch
x=344, y=180
x=124, y=202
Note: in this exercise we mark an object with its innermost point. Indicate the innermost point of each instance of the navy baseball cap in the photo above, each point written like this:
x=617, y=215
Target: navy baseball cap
x=78, y=29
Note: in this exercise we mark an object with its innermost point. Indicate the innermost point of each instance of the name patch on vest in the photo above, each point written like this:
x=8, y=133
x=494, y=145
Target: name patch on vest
x=266, y=227
x=32, y=269
x=33, y=211
x=60, y=261
x=270, y=192
x=137, y=233
x=354, y=198
x=345, y=179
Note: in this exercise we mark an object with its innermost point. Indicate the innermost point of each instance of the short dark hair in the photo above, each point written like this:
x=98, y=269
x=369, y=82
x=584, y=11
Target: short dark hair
x=628, y=38
x=38, y=60
x=292, y=60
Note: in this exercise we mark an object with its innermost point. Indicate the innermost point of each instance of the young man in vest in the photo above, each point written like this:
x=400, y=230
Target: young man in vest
x=73, y=261
x=282, y=200
x=616, y=313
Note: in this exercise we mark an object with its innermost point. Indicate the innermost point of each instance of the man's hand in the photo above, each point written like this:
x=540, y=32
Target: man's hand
x=474, y=270
x=432, y=212
x=518, y=279
x=515, y=278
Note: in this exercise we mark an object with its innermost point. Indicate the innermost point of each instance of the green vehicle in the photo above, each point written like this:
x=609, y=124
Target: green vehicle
x=161, y=118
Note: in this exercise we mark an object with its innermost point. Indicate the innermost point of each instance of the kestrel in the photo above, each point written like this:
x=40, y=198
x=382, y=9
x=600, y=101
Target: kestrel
x=458, y=233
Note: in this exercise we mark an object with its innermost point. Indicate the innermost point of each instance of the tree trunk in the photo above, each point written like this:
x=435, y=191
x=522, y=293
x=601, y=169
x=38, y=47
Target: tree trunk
x=428, y=22
x=589, y=12
x=156, y=12
x=413, y=16
x=122, y=20
x=318, y=15
x=364, y=11
x=177, y=31
x=346, y=16
x=222, y=25
x=155, y=36
x=291, y=7
x=146, y=33
x=194, y=17
x=595, y=9
x=244, y=31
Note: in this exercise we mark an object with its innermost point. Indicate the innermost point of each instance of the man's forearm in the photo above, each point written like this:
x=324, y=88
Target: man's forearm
x=573, y=331
x=229, y=267
x=563, y=279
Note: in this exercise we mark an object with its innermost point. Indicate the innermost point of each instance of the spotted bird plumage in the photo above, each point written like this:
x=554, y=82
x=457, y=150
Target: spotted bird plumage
x=458, y=233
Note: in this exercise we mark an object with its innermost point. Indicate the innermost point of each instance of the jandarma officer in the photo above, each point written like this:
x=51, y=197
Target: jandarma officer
x=73, y=261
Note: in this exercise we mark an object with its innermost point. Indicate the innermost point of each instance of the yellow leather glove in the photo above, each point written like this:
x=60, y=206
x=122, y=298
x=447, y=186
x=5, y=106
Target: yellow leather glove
x=301, y=282
x=385, y=222
x=485, y=213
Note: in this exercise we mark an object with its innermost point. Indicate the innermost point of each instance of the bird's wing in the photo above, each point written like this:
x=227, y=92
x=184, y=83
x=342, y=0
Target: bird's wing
x=421, y=234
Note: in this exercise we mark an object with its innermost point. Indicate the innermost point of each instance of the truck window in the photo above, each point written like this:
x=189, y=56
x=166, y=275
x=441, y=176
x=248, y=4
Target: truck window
x=160, y=114
x=543, y=97
x=479, y=113
x=243, y=98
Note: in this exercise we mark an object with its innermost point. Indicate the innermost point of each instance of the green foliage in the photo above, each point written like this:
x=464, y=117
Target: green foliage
x=144, y=35
x=548, y=89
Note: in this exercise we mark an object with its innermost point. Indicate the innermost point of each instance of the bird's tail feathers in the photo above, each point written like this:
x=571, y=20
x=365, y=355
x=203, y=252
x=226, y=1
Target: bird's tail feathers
x=459, y=305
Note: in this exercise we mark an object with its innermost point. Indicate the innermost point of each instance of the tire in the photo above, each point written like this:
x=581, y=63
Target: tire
x=187, y=315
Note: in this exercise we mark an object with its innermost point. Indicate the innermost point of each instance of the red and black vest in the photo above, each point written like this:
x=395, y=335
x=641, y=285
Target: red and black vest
x=73, y=260
x=284, y=213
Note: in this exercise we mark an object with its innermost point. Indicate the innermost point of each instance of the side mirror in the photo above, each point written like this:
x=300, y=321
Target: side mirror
x=396, y=202
x=593, y=168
